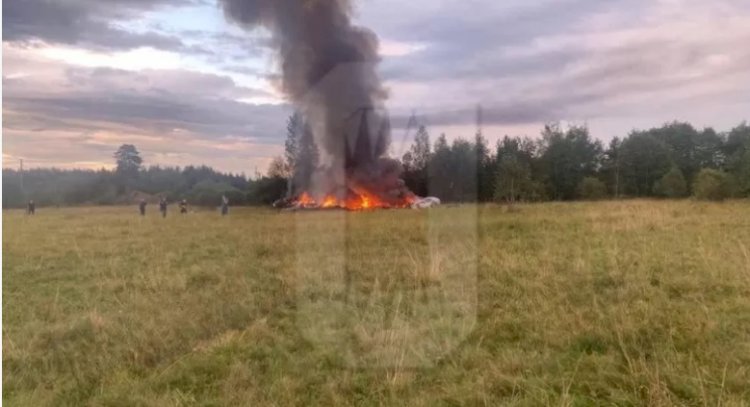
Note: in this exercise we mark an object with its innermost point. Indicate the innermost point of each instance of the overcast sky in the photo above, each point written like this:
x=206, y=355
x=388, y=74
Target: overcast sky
x=81, y=77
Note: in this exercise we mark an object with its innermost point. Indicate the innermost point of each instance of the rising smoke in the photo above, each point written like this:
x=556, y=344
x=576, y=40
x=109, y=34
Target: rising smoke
x=328, y=68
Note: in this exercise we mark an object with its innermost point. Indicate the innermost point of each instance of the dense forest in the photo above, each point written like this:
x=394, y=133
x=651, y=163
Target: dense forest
x=672, y=161
x=675, y=160
x=200, y=185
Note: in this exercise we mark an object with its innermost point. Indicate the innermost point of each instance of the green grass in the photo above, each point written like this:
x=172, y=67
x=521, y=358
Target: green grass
x=611, y=303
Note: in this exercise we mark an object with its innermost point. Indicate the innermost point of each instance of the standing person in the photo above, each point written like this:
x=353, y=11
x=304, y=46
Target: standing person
x=183, y=206
x=31, y=208
x=163, y=207
x=224, y=205
x=142, y=207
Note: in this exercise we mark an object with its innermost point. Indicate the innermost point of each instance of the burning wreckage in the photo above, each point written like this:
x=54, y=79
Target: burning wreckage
x=328, y=72
x=364, y=181
x=356, y=203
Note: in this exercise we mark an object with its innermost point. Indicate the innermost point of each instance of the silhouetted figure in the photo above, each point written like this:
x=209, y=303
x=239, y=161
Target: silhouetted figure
x=163, y=207
x=224, y=205
x=142, y=207
x=31, y=208
x=183, y=206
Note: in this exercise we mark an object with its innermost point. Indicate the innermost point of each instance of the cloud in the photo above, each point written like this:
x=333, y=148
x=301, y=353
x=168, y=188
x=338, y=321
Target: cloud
x=153, y=100
x=86, y=23
x=617, y=64
x=569, y=59
x=51, y=109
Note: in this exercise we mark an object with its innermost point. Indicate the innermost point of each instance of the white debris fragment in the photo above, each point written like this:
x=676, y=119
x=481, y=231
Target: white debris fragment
x=426, y=202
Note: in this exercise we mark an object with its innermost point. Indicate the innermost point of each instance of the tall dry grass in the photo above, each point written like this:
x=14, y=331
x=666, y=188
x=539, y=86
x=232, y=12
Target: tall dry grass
x=609, y=303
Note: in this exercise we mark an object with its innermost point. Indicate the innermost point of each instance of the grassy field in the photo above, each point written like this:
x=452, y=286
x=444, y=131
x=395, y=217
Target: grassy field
x=611, y=303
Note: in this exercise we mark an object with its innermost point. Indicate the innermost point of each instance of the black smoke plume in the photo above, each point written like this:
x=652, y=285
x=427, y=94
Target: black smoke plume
x=328, y=68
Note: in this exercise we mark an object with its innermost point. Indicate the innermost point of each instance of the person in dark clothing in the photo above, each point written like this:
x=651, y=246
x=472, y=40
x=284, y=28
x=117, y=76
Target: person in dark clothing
x=31, y=208
x=163, y=207
x=183, y=206
x=224, y=205
x=142, y=207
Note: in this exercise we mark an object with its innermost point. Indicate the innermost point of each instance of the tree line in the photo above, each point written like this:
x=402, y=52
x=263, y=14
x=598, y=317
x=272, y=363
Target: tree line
x=129, y=182
x=675, y=160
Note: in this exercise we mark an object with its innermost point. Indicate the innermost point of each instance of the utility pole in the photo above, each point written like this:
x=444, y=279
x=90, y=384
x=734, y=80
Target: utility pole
x=411, y=123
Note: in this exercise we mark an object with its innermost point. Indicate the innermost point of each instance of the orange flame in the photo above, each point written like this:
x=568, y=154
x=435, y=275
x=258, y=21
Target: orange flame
x=361, y=200
x=306, y=200
x=329, y=202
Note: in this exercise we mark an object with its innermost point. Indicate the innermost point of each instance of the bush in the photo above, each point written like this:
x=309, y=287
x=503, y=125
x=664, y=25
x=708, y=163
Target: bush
x=742, y=173
x=266, y=190
x=712, y=185
x=672, y=184
x=591, y=188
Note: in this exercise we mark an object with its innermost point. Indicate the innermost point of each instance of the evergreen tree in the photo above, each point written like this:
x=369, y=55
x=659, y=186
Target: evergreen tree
x=307, y=159
x=439, y=169
x=485, y=174
x=452, y=171
x=416, y=161
x=420, y=150
x=567, y=158
x=292, y=143
x=300, y=155
x=128, y=159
